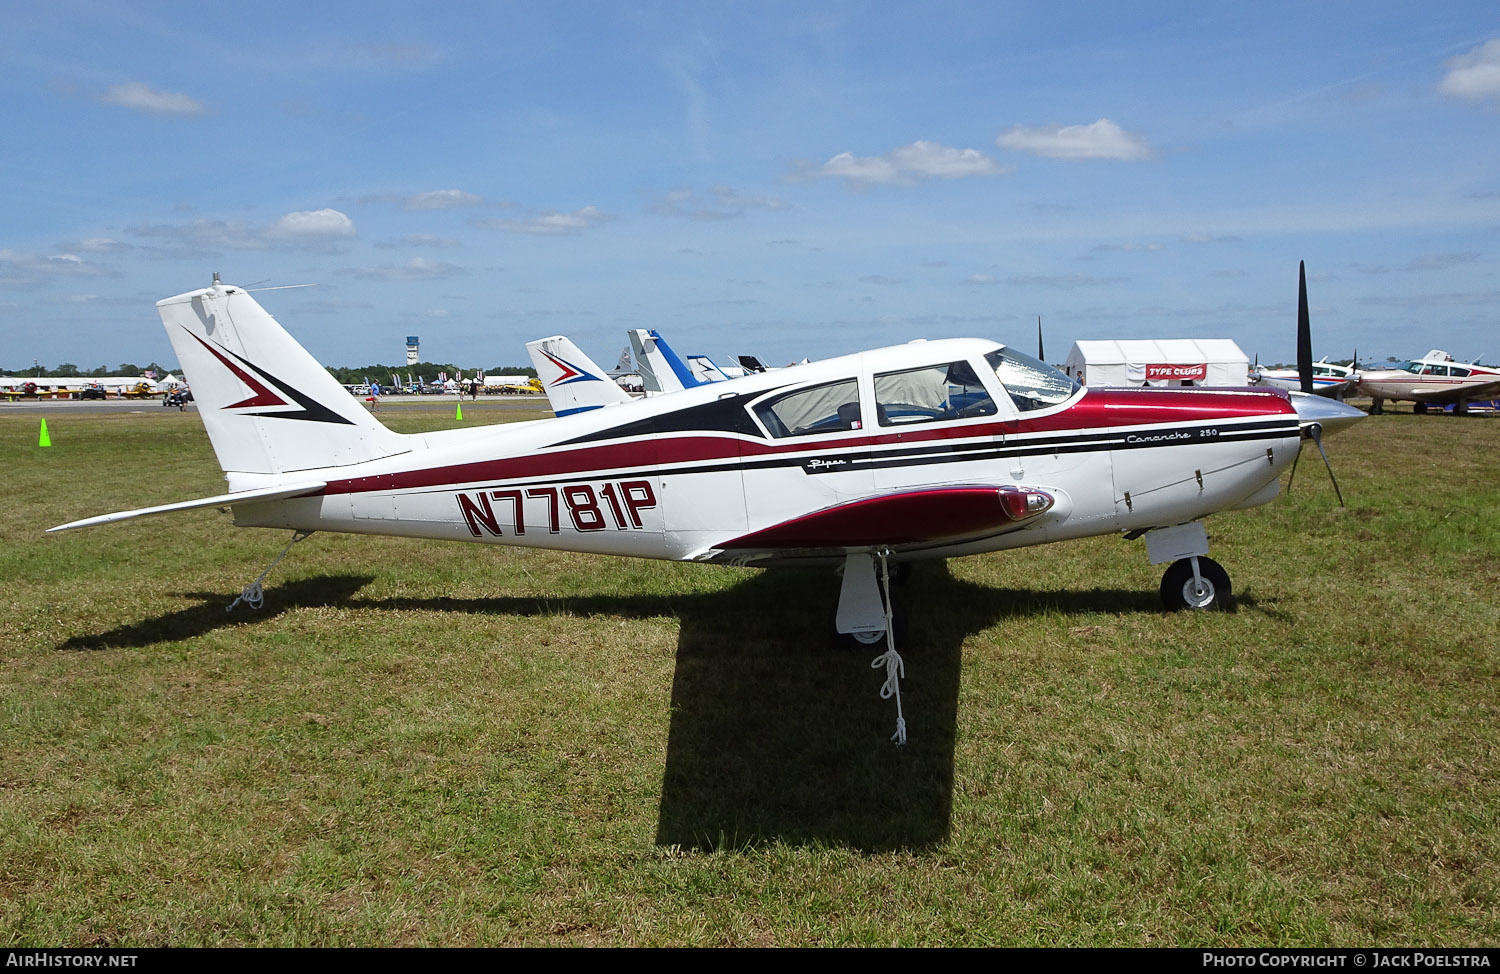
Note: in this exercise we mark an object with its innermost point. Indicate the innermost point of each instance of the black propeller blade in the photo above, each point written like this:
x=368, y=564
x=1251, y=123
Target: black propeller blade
x=1315, y=433
x=1040, y=355
x=1304, y=331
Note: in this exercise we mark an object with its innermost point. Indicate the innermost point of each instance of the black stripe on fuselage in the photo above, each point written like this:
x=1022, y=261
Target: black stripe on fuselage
x=724, y=415
x=875, y=457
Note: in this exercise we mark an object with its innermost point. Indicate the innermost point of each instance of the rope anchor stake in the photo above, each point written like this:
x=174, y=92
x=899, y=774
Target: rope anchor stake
x=254, y=594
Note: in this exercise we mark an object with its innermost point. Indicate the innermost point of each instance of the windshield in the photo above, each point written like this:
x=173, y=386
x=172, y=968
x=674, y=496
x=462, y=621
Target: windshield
x=1031, y=384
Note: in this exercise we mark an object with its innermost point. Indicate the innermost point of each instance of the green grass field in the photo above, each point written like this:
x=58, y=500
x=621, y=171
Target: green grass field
x=418, y=743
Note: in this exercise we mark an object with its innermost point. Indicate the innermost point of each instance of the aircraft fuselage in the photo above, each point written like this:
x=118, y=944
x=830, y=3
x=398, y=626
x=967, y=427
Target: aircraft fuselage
x=712, y=473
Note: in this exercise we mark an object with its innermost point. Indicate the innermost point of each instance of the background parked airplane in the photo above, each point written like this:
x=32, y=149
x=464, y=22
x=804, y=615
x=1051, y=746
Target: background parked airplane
x=1328, y=378
x=1433, y=379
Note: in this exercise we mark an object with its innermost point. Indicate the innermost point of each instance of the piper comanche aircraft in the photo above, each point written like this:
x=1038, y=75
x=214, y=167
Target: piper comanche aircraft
x=1434, y=379
x=926, y=450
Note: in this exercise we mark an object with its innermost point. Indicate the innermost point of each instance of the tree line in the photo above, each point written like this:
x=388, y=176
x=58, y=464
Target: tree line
x=68, y=370
x=424, y=371
x=350, y=375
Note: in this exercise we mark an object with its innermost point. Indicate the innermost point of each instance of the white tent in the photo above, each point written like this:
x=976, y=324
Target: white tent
x=1159, y=362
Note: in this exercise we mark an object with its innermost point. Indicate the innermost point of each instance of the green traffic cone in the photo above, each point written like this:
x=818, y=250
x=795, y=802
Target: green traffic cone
x=44, y=439
x=459, y=413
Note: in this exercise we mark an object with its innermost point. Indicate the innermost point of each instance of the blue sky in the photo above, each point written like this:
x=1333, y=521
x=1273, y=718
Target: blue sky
x=787, y=179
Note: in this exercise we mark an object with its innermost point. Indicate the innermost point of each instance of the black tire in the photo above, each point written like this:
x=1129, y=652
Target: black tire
x=1419, y=408
x=1178, y=587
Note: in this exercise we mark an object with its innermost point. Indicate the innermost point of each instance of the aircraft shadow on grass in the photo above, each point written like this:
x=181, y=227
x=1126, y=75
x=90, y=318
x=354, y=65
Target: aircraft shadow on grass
x=208, y=615
x=775, y=736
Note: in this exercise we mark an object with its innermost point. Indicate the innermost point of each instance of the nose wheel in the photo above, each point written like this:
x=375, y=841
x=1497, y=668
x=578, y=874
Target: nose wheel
x=1205, y=590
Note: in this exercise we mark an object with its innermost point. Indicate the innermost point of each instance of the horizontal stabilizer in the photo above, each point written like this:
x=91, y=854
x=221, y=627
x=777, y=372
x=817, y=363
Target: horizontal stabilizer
x=222, y=500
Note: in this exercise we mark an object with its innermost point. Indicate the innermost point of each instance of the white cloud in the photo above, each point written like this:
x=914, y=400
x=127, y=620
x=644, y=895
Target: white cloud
x=441, y=199
x=97, y=245
x=416, y=269
x=1475, y=74
x=19, y=269
x=143, y=98
x=306, y=225
x=719, y=203
x=420, y=240
x=318, y=230
x=1065, y=282
x=552, y=222
x=912, y=163
x=1127, y=248
x=195, y=239
x=1101, y=140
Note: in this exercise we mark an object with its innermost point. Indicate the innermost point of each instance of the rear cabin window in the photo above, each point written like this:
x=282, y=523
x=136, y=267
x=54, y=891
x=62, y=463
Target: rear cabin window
x=930, y=394
x=1029, y=383
x=830, y=408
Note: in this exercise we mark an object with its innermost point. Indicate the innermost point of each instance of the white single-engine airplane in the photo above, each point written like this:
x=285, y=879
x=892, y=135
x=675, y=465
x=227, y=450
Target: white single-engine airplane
x=932, y=449
x=1328, y=378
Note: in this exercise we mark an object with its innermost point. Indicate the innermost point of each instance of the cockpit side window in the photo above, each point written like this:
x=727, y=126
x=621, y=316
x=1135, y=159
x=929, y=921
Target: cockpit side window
x=950, y=390
x=1031, y=384
x=829, y=408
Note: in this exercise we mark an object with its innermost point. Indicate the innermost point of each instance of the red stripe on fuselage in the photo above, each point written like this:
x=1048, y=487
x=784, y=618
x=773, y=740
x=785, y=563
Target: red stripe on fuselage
x=1099, y=409
x=910, y=518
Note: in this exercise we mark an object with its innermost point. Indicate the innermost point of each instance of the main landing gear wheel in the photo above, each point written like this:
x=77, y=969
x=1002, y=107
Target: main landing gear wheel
x=867, y=640
x=1419, y=408
x=1208, y=592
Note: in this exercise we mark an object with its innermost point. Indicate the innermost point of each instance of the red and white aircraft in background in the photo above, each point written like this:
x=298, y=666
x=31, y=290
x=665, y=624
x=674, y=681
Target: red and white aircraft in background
x=1434, y=379
x=932, y=449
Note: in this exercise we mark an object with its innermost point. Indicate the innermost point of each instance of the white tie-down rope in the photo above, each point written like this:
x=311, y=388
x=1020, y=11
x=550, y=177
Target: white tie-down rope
x=253, y=594
x=895, y=667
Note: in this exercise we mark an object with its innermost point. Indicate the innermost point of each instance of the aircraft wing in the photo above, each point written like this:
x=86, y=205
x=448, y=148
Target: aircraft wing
x=910, y=519
x=1490, y=390
x=220, y=500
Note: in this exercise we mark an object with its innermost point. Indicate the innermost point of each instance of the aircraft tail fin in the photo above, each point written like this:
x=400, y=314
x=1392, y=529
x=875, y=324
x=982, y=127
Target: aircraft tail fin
x=704, y=369
x=661, y=370
x=268, y=406
x=571, y=380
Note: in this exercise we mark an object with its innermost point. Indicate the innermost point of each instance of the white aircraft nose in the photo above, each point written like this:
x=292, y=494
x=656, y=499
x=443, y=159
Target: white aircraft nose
x=1330, y=414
